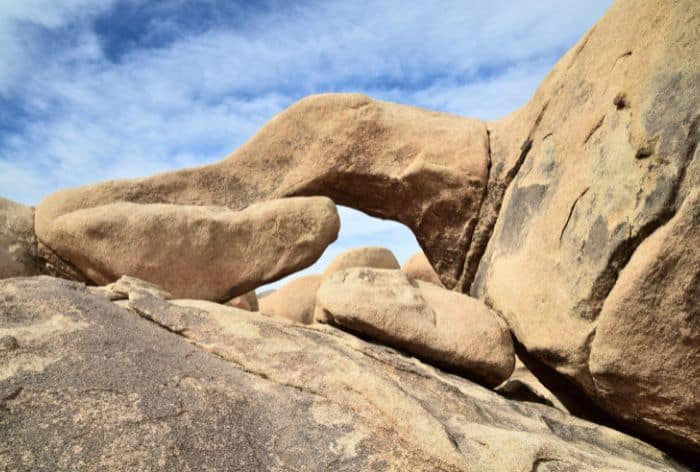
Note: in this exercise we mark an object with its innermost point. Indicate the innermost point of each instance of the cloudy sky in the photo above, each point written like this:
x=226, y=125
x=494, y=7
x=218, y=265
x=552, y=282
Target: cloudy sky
x=102, y=89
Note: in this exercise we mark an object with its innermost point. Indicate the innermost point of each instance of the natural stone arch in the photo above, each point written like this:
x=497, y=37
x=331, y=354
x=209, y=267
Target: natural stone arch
x=424, y=169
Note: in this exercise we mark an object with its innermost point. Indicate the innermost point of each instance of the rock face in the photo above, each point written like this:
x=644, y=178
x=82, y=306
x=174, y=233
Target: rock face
x=651, y=319
x=197, y=389
x=18, y=245
x=425, y=169
x=537, y=214
x=196, y=252
x=374, y=257
x=437, y=325
x=247, y=301
x=418, y=268
x=295, y=300
x=603, y=156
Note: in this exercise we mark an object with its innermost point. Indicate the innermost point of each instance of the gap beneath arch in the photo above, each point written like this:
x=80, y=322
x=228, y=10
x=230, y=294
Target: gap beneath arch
x=358, y=229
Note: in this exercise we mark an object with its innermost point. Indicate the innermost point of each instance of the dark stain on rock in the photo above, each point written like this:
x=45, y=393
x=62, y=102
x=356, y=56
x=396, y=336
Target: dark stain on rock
x=598, y=239
x=620, y=101
x=524, y=202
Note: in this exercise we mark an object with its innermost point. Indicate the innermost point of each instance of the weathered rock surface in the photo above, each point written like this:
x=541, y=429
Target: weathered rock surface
x=18, y=245
x=374, y=257
x=121, y=289
x=418, y=268
x=603, y=155
x=247, y=301
x=651, y=321
x=86, y=385
x=536, y=214
x=435, y=324
x=196, y=252
x=425, y=169
x=296, y=300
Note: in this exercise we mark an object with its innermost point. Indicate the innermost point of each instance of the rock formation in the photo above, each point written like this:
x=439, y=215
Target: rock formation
x=18, y=245
x=422, y=168
x=247, y=301
x=210, y=253
x=437, y=325
x=375, y=257
x=418, y=268
x=602, y=157
x=574, y=220
x=183, y=388
x=296, y=300
x=645, y=357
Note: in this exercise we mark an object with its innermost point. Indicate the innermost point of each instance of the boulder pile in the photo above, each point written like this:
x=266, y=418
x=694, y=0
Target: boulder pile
x=560, y=260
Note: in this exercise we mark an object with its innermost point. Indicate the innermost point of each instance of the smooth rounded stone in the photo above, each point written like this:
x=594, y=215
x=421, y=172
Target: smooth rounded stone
x=437, y=325
x=600, y=159
x=202, y=252
x=645, y=356
x=424, y=169
x=193, y=388
x=248, y=301
x=295, y=300
x=18, y=245
x=374, y=257
x=418, y=267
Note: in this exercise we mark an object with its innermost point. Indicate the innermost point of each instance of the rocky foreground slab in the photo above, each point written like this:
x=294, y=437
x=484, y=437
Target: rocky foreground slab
x=88, y=385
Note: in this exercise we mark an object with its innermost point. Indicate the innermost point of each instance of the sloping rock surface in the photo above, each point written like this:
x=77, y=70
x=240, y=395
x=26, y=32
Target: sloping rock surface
x=86, y=385
x=210, y=253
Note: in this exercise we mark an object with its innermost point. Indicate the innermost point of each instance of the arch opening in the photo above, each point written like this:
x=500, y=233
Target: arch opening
x=358, y=229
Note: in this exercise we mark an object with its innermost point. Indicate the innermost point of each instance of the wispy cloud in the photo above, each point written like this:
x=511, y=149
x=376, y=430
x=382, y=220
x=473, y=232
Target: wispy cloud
x=101, y=89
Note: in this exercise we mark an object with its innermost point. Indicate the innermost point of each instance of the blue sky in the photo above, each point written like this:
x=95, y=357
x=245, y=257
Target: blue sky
x=101, y=89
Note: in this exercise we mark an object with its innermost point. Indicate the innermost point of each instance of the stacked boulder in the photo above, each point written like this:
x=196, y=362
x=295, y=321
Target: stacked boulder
x=573, y=224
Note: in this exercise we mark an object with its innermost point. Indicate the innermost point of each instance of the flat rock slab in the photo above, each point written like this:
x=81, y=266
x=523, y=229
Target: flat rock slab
x=87, y=385
x=211, y=253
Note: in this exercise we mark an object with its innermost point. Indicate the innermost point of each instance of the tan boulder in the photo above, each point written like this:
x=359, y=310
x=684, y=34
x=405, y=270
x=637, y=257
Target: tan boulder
x=18, y=245
x=418, y=267
x=296, y=300
x=603, y=155
x=374, y=257
x=425, y=169
x=645, y=356
x=248, y=301
x=196, y=252
x=437, y=325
